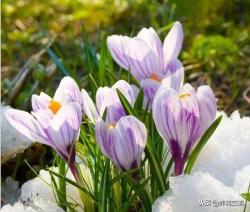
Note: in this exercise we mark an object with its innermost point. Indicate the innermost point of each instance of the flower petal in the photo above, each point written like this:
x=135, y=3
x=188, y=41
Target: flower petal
x=64, y=129
x=150, y=88
x=133, y=138
x=101, y=133
x=70, y=113
x=107, y=99
x=153, y=41
x=88, y=107
x=208, y=106
x=126, y=90
x=116, y=44
x=44, y=117
x=173, y=43
x=124, y=143
x=142, y=60
x=68, y=91
x=27, y=125
x=175, y=75
x=102, y=93
x=40, y=102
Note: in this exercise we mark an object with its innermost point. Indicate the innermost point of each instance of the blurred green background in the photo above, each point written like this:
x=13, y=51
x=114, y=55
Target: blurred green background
x=216, y=49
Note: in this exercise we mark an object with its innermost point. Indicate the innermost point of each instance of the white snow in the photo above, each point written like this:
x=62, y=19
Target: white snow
x=12, y=142
x=221, y=173
x=10, y=191
x=37, y=195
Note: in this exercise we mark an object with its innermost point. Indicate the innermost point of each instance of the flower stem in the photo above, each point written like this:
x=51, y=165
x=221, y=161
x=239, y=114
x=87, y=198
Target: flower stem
x=178, y=167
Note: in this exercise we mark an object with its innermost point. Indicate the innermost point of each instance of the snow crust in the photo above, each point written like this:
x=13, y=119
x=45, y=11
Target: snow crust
x=37, y=195
x=12, y=142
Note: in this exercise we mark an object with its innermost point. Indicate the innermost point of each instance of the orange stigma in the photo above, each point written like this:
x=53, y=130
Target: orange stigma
x=54, y=106
x=155, y=77
x=111, y=125
x=182, y=96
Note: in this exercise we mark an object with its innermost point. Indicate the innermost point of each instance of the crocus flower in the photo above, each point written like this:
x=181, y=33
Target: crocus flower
x=122, y=142
x=182, y=117
x=120, y=137
x=54, y=122
x=107, y=99
x=147, y=59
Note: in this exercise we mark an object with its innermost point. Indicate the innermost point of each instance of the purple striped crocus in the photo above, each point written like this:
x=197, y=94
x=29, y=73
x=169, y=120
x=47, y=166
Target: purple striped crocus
x=123, y=142
x=54, y=122
x=121, y=138
x=182, y=117
x=147, y=59
x=107, y=99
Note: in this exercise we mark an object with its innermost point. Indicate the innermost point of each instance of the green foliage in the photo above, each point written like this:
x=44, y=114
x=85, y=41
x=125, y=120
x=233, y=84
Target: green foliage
x=215, y=51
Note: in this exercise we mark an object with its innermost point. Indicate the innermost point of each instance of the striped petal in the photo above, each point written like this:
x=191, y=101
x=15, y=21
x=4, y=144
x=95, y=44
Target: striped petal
x=142, y=60
x=173, y=43
x=88, y=107
x=208, y=107
x=150, y=37
x=40, y=102
x=123, y=143
x=64, y=129
x=68, y=91
x=116, y=45
x=150, y=88
x=174, y=75
x=27, y=125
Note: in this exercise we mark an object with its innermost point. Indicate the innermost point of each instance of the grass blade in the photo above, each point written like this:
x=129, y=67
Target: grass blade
x=139, y=100
x=62, y=184
x=194, y=155
x=105, y=188
x=156, y=168
x=58, y=62
x=74, y=184
x=141, y=192
x=126, y=105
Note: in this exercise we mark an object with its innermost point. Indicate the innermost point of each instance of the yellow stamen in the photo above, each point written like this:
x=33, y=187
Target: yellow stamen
x=54, y=106
x=182, y=96
x=111, y=125
x=155, y=77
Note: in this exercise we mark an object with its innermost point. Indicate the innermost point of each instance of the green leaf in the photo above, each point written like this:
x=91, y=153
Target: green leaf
x=105, y=188
x=74, y=184
x=169, y=166
x=62, y=183
x=118, y=177
x=155, y=164
x=139, y=100
x=126, y=105
x=140, y=190
x=102, y=63
x=246, y=196
x=194, y=155
x=88, y=52
x=58, y=62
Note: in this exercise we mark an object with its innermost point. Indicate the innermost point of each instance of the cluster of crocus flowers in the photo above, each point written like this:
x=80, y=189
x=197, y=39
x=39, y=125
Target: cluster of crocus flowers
x=121, y=137
x=53, y=121
x=147, y=59
x=181, y=114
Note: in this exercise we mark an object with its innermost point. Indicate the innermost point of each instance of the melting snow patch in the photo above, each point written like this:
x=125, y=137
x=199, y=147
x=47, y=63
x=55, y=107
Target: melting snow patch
x=37, y=195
